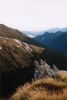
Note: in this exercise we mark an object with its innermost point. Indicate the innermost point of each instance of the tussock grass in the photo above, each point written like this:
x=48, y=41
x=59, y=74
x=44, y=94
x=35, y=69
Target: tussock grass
x=41, y=95
x=63, y=76
x=43, y=89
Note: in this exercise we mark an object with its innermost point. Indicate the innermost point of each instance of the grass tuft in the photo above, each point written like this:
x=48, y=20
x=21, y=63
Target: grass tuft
x=43, y=89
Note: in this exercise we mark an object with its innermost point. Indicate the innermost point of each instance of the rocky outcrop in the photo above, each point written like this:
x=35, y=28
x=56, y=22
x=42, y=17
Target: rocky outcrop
x=44, y=70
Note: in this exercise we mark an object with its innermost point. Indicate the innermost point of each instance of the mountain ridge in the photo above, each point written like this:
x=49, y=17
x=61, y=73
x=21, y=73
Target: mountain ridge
x=54, y=41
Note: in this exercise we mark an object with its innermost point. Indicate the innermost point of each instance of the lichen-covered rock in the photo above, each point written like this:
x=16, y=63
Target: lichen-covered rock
x=44, y=70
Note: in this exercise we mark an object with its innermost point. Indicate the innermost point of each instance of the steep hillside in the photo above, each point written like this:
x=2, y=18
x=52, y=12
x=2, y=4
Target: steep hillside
x=14, y=53
x=16, y=63
x=6, y=31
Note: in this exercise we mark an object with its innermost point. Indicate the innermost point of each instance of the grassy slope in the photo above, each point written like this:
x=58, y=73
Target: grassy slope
x=16, y=64
x=6, y=31
x=44, y=89
x=13, y=56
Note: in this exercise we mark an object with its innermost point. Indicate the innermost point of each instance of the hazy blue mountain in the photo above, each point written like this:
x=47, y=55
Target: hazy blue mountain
x=59, y=43
x=36, y=33
x=55, y=41
x=47, y=37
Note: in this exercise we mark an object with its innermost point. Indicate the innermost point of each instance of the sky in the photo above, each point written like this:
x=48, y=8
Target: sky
x=33, y=15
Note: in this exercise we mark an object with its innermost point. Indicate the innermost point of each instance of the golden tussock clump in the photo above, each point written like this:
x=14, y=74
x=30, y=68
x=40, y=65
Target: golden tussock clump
x=63, y=76
x=43, y=89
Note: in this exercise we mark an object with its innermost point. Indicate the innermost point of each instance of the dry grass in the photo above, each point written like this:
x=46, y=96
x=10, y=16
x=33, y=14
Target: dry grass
x=37, y=49
x=41, y=95
x=44, y=89
x=63, y=76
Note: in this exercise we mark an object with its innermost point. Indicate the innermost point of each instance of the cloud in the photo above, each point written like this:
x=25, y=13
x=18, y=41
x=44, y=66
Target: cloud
x=31, y=36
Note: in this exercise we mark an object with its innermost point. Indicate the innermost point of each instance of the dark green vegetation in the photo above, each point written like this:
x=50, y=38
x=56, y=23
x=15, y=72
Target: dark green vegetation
x=17, y=55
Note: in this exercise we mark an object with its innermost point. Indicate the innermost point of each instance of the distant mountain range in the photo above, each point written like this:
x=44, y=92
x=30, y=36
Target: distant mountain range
x=54, y=40
x=36, y=33
x=33, y=34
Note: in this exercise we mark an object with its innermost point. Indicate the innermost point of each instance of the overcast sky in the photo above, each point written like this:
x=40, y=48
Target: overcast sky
x=33, y=15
